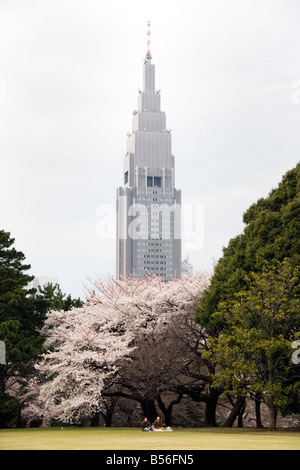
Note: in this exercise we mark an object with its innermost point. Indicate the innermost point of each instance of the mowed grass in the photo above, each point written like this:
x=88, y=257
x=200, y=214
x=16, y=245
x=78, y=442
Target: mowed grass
x=72, y=438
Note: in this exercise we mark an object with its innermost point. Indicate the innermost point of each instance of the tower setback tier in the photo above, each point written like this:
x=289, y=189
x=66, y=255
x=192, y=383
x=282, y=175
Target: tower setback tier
x=148, y=204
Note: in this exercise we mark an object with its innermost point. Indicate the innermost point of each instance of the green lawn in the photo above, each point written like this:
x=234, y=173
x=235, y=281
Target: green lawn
x=72, y=438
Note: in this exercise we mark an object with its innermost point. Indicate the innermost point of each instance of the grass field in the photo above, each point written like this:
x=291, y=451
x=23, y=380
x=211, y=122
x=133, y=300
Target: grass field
x=72, y=438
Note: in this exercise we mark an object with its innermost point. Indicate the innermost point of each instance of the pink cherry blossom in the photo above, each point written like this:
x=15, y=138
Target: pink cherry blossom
x=88, y=344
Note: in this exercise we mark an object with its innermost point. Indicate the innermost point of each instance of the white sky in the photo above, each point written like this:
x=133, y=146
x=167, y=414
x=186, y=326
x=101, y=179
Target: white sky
x=70, y=70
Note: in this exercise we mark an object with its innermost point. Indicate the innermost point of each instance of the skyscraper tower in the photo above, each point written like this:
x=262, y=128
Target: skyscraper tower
x=148, y=204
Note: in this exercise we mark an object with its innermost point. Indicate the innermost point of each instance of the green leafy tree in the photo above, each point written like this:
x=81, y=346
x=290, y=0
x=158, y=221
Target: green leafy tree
x=255, y=347
x=21, y=317
x=272, y=227
x=55, y=299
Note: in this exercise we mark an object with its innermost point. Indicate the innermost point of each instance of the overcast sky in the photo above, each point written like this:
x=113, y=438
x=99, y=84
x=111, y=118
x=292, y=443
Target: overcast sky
x=70, y=70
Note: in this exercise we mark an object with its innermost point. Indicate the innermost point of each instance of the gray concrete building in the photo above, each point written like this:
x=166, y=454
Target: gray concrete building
x=148, y=204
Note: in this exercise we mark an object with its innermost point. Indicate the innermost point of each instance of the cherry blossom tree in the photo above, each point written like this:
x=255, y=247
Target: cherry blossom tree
x=89, y=345
x=85, y=345
x=163, y=366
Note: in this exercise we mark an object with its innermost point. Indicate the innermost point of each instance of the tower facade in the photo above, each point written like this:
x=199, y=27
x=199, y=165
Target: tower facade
x=148, y=204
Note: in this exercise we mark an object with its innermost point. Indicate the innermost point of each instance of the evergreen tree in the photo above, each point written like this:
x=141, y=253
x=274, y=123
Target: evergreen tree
x=255, y=348
x=272, y=227
x=55, y=299
x=271, y=233
x=21, y=317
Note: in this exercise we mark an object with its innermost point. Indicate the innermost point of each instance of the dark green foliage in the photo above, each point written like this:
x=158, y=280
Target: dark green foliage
x=255, y=348
x=22, y=315
x=9, y=408
x=56, y=300
x=271, y=233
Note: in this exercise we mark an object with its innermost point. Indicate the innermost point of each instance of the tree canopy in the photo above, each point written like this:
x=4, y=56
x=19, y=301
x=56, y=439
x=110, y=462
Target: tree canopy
x=255, y=350
x=55, y=299
x=270, y=241
x=22, y=315
x=272, y=227
x=118, y=342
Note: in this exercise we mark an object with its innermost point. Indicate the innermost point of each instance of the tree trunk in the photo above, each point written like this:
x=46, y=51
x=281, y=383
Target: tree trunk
x=149, y=409
x=210, y=409
x=238, y=406
x=107, y=415
x=272, y=417
x=271, y=405
x=108, y=419
x=95, y=420
x=258, y=411
x=241, y=414
x=167, y=411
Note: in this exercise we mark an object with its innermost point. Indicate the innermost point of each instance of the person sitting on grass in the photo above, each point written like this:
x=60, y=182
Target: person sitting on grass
x=146, y=425
x=157, y=425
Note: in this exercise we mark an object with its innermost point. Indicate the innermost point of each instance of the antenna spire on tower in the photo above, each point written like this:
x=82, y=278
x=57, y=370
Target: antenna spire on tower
x=148, y=55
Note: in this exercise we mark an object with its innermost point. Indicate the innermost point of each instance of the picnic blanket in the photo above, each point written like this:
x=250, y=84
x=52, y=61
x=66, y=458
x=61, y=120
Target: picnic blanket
x=167, y=429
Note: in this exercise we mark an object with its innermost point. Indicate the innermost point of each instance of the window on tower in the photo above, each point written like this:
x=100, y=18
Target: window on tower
x=154, y=181
x=157, y=181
